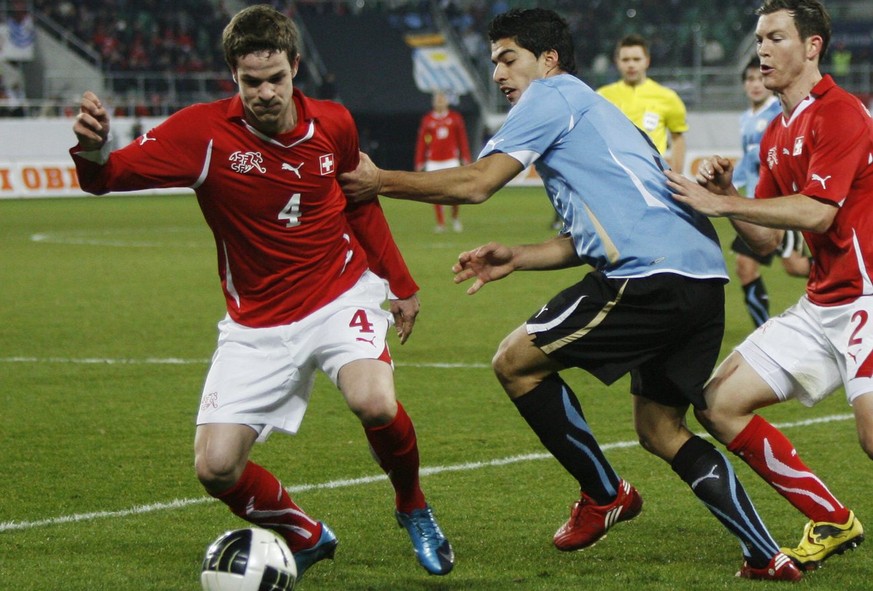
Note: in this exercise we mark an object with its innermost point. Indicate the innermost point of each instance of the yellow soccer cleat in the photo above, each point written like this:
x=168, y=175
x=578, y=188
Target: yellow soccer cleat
x=822, y=540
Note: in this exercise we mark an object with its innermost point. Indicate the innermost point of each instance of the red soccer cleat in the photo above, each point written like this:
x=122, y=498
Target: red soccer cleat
x=780, y=568
x=588, y=522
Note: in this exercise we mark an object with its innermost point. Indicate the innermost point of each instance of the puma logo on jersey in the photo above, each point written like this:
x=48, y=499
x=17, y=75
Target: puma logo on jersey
x=244, y=162
x=145, y=138
x=493, y=143
x=371, y=340
x=292, y=168
x=823, y=181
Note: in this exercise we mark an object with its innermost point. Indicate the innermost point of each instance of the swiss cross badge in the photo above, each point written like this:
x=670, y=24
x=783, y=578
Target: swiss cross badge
x=327, y=164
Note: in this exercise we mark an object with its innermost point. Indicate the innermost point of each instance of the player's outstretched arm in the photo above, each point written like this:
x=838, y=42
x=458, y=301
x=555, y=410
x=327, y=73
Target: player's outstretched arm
x=469, y=184
x=494, y=261
x=760, y=222
x=487, y=263
x=92, y=123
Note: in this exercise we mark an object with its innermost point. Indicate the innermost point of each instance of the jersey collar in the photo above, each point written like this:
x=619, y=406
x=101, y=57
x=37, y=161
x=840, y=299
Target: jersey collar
x=303, y=131
x=822, y=86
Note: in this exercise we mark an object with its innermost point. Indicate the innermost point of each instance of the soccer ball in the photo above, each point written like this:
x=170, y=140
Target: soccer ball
x=252, y=559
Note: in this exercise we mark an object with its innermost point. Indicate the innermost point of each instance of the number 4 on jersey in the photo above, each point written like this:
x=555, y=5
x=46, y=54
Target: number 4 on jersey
x=291, y=212
x=361, y=321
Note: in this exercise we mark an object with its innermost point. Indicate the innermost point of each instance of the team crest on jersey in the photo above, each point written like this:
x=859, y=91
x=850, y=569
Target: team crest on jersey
x=327, y=164
x=798, y=146
x=244, y=162
x=772, y=159
x=209, y=401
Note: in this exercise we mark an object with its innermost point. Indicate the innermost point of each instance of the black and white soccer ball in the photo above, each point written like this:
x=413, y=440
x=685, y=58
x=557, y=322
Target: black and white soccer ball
x=252, y=559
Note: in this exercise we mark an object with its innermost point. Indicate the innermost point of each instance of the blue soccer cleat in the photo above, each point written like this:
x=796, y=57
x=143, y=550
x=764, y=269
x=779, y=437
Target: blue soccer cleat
x=323, y=548
x=431, y=547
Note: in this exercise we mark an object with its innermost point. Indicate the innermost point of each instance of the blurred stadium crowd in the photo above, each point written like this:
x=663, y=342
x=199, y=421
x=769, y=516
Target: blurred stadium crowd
x=140, y=44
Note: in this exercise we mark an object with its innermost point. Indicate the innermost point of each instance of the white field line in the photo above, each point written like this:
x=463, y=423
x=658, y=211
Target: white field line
x=178, y=361
x=119, y=239
x=425, y=471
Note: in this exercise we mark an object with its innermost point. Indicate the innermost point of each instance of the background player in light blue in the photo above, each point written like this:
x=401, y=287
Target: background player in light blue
x=763, y=107
x=653, y=306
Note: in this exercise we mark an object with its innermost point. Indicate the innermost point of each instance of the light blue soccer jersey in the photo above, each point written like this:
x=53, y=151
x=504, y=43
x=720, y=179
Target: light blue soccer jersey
x=752, y=126
x=606, y=180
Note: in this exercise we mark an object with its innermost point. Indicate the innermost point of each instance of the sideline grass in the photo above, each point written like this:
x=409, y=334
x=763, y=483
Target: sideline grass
x=132, y=280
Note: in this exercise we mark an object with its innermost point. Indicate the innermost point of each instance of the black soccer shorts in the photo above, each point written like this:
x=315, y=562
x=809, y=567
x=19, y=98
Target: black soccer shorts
x=666, y=330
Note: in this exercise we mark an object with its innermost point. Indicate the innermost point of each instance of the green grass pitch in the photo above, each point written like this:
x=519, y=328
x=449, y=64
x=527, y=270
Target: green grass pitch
x=107, y=322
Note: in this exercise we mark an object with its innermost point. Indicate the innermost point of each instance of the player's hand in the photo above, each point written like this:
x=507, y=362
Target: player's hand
x=487, y=263
x=92, y=123
x=693, y=194
x=405, y=311
x=362, y=183
x=716, y=174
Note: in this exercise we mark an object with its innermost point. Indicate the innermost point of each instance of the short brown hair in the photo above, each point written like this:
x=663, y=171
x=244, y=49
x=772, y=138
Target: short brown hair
x=632, y=40
x=259, y=28
x=810, y=18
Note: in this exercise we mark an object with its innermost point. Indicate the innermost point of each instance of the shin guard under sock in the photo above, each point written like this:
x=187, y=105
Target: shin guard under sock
x=769, y=453
x=259, y=498
x=709, y=474
x=395, y=447
x=555, y=415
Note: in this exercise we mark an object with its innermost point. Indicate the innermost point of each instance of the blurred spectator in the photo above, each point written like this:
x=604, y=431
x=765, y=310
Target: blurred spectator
x=841, y=62
x=144, y=36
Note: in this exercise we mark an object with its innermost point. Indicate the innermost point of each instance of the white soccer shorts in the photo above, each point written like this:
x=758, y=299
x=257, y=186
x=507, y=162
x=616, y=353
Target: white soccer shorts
x=263, y=377
x=809, y=351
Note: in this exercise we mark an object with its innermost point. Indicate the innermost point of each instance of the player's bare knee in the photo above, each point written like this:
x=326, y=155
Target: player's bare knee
x=374, y=411
x=645, y=442
x=216, y=473
x=707, y=417
x=866, y=440
x=503, y=366
x=653, y=442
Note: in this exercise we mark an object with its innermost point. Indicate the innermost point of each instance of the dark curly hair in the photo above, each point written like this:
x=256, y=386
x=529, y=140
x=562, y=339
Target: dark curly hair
x=538, y=30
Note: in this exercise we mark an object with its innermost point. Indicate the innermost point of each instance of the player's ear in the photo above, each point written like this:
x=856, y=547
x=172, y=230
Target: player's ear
x=551, y=58
x=813, y=46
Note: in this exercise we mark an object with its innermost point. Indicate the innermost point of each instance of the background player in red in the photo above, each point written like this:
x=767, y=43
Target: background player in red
x=816, y=177
x=442, y=143
x=303, y=274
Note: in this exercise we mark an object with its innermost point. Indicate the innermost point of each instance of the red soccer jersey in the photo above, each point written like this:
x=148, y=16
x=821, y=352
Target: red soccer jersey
x=441, y=138
x=287, y=241
x=825, y=151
